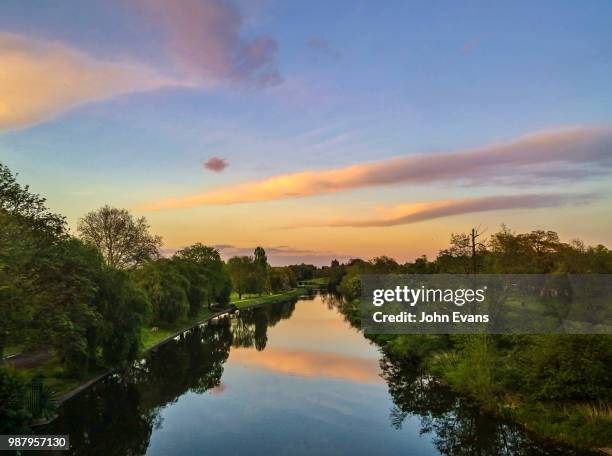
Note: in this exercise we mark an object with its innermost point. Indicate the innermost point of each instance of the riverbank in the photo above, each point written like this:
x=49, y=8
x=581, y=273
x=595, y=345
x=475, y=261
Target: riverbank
x=582, y=425
x=153, y=336
x=64, y=387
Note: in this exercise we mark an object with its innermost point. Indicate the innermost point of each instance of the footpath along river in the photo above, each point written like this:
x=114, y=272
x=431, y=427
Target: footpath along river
x=290, y=378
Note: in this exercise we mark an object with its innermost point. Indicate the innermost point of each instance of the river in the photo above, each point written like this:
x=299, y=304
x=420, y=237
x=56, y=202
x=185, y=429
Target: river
x=290, y=378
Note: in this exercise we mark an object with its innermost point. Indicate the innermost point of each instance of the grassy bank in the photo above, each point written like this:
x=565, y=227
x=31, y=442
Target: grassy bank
x=151, y=336
x=257, y=300
x=55, y=377
x=315, y=283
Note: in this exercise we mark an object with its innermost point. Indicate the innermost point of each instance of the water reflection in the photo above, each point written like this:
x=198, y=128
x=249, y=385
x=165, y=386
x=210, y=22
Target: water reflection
x=311, y=364
x=309, y=385
x=118, y=415
x=456, y=424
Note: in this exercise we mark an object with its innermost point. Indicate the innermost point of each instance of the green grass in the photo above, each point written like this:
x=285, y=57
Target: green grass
x=11, y=350
x=318, y=282
x=582, y=425
x=55, y=377
x=257, y=300
x=151, y=337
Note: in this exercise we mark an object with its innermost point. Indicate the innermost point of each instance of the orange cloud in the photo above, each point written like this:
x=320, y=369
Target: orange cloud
x=39, y=80
x=569, y=153
x=309, y=364
x=413, y=213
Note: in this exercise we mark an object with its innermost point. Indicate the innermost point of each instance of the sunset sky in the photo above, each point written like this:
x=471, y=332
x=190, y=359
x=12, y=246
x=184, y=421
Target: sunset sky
x=318, y=130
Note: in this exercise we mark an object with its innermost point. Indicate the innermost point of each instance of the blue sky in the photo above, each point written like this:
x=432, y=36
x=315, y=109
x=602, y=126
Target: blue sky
x=352, y=82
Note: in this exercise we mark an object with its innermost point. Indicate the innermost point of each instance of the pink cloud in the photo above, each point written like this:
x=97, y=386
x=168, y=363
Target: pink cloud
x=310, y=364
x=206, y=38
x=216, y=164
x=545, y=156
x=427, y=211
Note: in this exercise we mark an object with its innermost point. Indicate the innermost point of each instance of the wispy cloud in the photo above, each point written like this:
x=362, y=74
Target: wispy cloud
x=216, y=164
x=40, y=79
x=206, y=38
x=541, y=157
x=413, y=213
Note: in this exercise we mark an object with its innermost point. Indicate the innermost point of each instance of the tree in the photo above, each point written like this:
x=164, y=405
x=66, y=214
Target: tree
x=240, y=269
x=166, y=289
x=281, y=279
x=65, y=311
x=260, y=257
x=123, y=240
x=27, y=229
x=260, y=263
x=198, y=291
x=208, y=260
x=18, y=201
x=123, y=308
x=303, y=271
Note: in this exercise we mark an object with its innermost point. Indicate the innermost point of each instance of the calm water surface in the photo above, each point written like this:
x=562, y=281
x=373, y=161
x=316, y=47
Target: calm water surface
x=291, y=378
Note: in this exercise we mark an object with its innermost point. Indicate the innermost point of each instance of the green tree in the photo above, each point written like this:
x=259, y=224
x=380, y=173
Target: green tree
x=208, y=260
x=200, y=287
x=65, y=303
x=27, y=228
x=281, y=279
x=241, y=270
x=124, y=240
x=17, y=200
x=260, y=263
x=166, y=289
x=123, y=308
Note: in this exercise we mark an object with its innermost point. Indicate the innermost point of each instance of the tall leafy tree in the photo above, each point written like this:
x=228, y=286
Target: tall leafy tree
x=241, y=271
x=260, y=263
x=217, y=286
x=20, y=202
x=124, y=240
x=123, y=308
x=28, y=230
x=166, y=289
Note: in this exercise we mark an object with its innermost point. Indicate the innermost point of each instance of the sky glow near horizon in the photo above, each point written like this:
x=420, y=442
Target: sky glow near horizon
x=316, y=130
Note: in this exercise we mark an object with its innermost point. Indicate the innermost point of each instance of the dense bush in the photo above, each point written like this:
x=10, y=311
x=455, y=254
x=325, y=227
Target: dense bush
x=13, y=414
x=166, y=289
x=124, y=308
x=281, y=279
x=566, y=367
x=207, y=273
x=198, y=289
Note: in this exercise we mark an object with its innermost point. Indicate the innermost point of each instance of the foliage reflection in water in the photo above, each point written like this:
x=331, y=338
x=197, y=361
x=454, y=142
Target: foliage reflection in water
x=311, y=384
